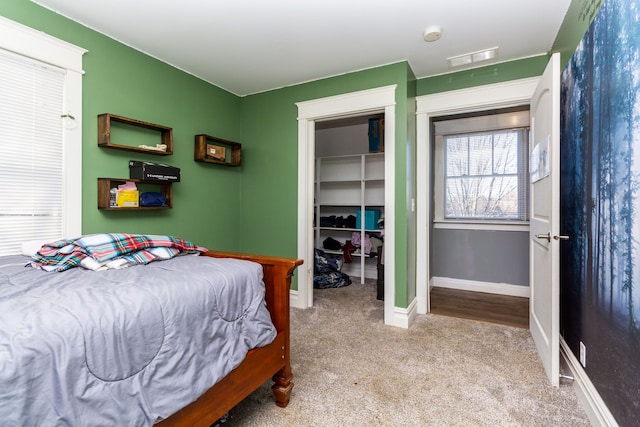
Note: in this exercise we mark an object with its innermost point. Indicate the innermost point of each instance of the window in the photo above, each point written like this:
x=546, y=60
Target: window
x=482, y=168
x=31, y=153
x=40, y=142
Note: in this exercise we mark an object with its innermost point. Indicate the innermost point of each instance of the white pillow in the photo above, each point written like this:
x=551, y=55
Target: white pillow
x=30, y=247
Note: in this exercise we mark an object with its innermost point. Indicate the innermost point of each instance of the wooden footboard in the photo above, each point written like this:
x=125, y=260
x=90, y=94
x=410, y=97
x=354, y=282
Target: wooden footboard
x=271, y=361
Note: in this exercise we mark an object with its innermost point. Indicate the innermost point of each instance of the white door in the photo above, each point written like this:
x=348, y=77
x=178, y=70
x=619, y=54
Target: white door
x=544, y=303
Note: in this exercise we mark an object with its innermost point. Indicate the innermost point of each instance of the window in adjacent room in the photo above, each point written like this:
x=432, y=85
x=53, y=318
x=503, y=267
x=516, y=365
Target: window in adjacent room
x=481, y=170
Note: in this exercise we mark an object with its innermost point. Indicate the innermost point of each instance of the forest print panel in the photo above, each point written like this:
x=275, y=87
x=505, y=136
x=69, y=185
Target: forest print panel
x=600, y=205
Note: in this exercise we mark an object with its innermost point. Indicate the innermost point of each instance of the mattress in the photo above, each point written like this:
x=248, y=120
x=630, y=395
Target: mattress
x=123, y=347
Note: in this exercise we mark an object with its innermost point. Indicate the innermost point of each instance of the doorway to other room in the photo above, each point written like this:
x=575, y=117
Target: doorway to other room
x=451, y=254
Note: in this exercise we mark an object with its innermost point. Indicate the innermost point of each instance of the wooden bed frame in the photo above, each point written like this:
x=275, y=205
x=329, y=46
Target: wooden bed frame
x=271, y=361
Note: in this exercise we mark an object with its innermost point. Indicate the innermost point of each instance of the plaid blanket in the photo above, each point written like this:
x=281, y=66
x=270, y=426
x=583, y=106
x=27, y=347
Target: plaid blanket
x=109, y=251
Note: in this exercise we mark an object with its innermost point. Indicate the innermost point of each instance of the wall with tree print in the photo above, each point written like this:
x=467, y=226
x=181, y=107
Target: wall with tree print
x=600, y=205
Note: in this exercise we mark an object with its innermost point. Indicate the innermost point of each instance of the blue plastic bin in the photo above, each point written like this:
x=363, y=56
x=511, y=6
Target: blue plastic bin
x=370, y=219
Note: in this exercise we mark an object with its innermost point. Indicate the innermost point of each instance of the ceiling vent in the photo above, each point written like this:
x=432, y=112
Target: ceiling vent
x=472, y=58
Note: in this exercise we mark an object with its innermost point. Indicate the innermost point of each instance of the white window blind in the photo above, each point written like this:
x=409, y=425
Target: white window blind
x=31, y=151
x=483, y=171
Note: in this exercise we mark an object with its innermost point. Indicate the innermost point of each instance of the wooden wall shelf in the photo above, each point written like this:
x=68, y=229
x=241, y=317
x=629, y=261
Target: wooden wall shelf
x=106, y=184
x=104, y=134
x=204, y=143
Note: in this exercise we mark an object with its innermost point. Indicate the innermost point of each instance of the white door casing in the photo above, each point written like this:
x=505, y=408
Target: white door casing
x=544, y=303
x=351, y=104
x=479, y=98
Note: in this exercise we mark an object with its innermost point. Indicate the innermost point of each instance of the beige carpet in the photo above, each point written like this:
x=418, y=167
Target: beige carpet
x=352, y=370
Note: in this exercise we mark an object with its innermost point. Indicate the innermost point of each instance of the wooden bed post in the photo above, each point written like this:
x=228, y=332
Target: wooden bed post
x=282, y=379
x=278, y=273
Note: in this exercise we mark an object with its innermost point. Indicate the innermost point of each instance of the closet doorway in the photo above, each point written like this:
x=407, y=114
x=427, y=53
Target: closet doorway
x=378, y=101
x=349, y=201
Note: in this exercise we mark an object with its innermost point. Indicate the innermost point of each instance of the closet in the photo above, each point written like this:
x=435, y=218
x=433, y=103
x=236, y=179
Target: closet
x=349, y=193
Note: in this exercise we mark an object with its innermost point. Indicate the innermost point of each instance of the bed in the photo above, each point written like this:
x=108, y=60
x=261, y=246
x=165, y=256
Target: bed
x=272, y=361
x=78, y=370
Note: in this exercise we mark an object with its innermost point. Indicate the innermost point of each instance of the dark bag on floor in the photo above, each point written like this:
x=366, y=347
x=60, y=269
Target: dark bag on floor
x=326, y=273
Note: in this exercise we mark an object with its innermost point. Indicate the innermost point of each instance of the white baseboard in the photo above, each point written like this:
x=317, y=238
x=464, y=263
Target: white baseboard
x=404, y=317
x=294, y=300
x=477, y=286
x=592, y=403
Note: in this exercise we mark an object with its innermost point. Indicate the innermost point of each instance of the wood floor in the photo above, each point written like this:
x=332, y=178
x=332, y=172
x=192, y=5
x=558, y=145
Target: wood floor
x=492, y=308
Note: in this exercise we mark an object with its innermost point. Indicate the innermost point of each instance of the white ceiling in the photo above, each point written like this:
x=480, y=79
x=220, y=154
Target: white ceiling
x=250, y=46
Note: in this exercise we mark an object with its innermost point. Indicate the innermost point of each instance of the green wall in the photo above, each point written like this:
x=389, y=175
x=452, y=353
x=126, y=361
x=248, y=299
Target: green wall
x=497, y=73
x=574, y=25
x=411, y=189
x=123, y=81
x=270, y=178
x=252, y=208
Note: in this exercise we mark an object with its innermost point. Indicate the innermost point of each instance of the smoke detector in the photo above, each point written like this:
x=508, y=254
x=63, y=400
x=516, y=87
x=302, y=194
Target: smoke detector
x=432, y=33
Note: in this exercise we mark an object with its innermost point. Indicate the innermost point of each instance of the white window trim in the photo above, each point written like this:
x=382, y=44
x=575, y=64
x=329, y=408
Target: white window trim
x=439, y=220
x=37, y=45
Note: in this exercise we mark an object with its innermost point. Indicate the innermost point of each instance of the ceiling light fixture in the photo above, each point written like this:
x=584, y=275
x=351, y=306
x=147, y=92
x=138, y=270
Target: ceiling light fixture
x=473, y=57
x=432, y=33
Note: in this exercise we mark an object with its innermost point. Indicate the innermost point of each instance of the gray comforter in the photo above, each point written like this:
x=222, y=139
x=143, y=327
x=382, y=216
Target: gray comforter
x=123, y=347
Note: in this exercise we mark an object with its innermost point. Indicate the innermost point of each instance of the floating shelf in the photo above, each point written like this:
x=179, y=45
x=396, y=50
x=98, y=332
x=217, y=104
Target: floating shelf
x=208, y=148
x=106, y=184
x=104, y=134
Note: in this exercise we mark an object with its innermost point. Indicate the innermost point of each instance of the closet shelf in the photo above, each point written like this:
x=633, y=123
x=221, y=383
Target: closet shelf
x=366, y=230
x=353, y=254
x=347, y=186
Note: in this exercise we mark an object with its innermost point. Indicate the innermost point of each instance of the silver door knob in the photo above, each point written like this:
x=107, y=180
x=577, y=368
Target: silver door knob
x=544, y=236
x=561, y=237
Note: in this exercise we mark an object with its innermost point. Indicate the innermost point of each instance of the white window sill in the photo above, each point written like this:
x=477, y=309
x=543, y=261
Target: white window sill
x=481, y=225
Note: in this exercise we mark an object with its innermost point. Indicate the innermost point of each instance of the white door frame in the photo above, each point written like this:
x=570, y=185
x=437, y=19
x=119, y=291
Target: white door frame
x=479, y=98
x=350, y=104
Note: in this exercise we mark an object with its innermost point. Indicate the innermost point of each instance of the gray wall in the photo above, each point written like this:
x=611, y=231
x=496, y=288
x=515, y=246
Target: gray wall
x=344, y=139
x=485, y=256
